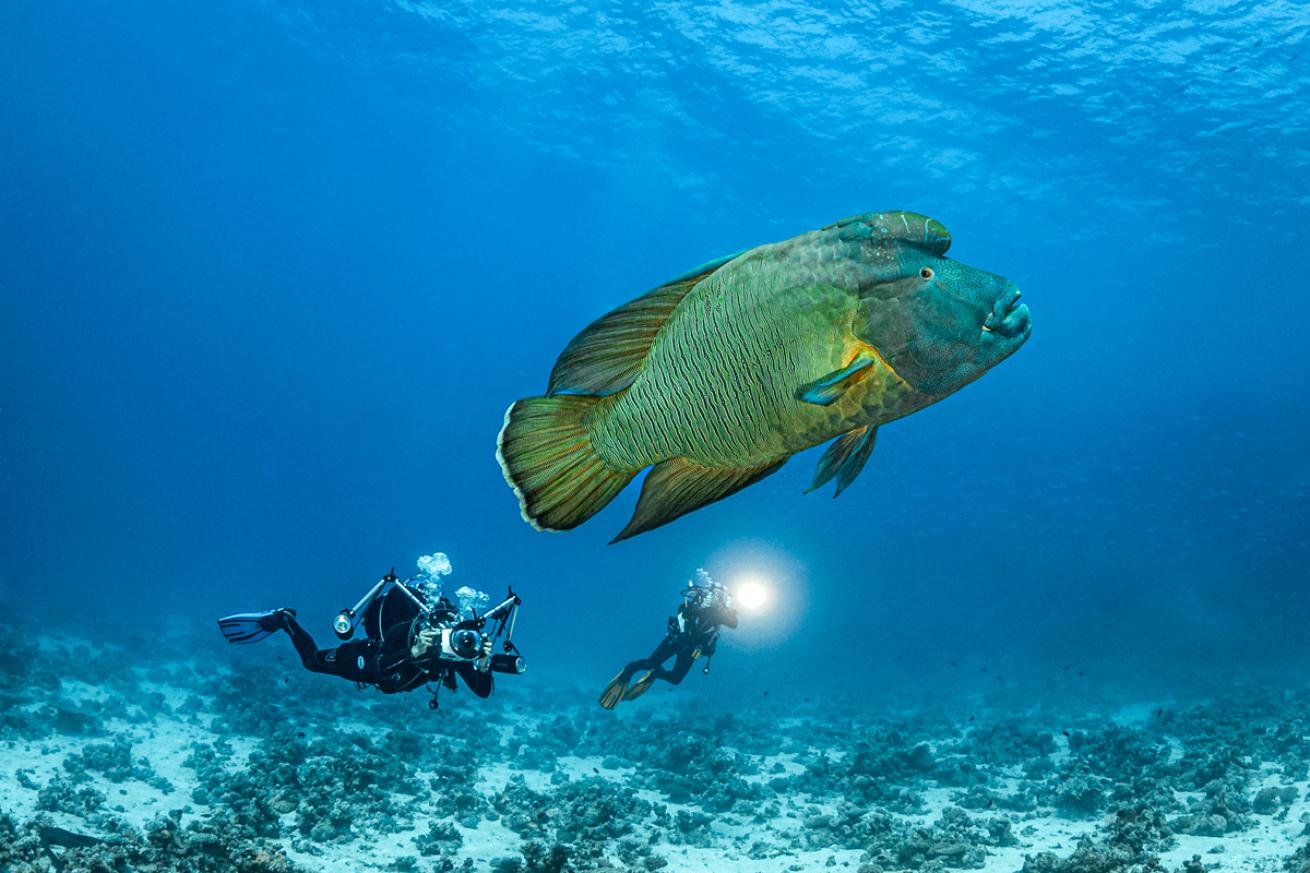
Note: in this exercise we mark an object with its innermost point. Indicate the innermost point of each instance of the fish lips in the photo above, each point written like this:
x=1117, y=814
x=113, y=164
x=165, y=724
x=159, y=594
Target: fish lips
x=1008, y=317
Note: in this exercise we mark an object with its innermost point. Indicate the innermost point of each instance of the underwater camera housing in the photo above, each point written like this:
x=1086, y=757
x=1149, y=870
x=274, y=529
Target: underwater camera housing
x=460, y=644
x=465, y=644
x=466, y=640
x=707, y=596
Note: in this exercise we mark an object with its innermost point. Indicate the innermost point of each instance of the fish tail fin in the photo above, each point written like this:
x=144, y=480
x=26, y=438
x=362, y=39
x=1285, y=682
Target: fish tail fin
x=546, y=455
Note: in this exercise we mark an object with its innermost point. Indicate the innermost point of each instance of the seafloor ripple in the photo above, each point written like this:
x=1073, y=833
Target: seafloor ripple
x=179, y=765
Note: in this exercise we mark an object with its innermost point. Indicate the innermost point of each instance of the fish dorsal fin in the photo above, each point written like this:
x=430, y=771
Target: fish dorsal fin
x=609, y=353
x=844, y=458
x=678, y=486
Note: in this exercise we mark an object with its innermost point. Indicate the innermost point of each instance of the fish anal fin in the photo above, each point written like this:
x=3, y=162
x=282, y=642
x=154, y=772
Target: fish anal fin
x=609, y=353
x=678, y=486
x=826, y=389
x=845, y=458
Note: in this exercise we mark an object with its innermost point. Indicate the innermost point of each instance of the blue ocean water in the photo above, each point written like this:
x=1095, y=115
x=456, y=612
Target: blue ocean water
x=270, y=274
x=273, y=273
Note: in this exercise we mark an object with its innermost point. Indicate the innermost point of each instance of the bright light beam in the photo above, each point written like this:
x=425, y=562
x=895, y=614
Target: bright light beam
x=752, y=593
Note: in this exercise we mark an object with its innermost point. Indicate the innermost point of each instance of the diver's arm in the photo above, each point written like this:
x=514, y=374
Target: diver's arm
x=479, y=683
x=716, y=616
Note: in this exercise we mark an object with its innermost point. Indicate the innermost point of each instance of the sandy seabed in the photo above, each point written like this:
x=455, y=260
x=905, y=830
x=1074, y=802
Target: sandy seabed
x=249, y=764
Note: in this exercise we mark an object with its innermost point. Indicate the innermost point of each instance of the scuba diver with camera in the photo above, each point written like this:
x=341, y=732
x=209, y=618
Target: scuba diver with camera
x=413, y=636
x=694, y=632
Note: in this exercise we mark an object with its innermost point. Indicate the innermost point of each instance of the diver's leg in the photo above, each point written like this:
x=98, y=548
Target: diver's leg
x=634, y=667
x=356, y=660
x=665, y=650
x=303, y=642
x=652, y=665
x=680, y=668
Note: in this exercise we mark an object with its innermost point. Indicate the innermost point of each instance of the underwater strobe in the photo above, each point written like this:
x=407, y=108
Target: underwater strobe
x=504, y=614
x=344, y=624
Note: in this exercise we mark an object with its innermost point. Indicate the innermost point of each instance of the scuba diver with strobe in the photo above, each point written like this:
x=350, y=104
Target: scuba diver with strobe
x=413, y=636
x=694, y=632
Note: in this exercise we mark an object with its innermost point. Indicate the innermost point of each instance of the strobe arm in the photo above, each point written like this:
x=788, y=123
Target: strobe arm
x=347, y=619
x=505, y=607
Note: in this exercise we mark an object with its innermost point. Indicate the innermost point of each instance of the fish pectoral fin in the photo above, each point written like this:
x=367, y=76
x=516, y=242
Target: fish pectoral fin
x=826, y=389
x=678, y=486
x=609, y=353
x=845, y=458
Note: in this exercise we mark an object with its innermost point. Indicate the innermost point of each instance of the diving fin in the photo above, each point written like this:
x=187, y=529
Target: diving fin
x=640, y=687
x=251, y=627
x=826, y=389
x=614, y=691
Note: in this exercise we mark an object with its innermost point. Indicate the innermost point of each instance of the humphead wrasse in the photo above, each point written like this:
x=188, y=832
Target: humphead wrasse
x=718, y=377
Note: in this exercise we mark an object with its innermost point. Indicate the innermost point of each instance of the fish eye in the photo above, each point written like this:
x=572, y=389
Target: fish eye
x=927, y=273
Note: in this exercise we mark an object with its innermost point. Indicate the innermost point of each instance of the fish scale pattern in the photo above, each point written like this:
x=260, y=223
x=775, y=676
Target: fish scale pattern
x=748, y=334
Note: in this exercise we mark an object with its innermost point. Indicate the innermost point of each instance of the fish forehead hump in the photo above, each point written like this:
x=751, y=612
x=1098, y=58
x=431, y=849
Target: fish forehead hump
x=851, y=253
x=897, y=227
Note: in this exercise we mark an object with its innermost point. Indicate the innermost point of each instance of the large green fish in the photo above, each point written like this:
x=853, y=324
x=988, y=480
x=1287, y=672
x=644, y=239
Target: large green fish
x=721, y=375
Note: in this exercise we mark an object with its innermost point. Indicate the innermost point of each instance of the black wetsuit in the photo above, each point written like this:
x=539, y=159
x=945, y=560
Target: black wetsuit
x=385, y=663
x=694, y=632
